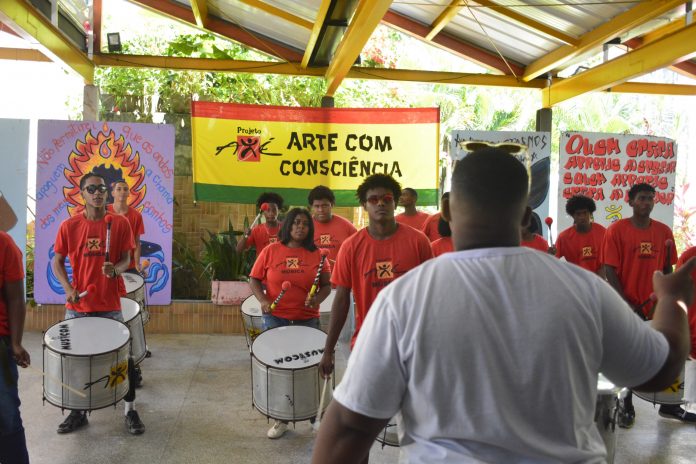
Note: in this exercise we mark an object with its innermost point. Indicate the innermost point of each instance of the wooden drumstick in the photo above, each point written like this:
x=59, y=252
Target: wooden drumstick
x=668, y=256
x=108, y=220
x=286, y=285
x=320, y=411
x=90, y=289
x=55, y=379
x=264, y=207
x=549, y=221
x=315, y=285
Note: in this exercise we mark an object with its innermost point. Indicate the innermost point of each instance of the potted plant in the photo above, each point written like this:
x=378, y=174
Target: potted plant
x=228, y=270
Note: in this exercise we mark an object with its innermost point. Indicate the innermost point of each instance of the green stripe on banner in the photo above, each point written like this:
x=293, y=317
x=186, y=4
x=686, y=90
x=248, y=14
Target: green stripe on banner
x=296, y=197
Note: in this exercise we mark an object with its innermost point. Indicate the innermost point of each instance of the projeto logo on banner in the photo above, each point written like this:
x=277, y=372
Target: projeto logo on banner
x=240, y=151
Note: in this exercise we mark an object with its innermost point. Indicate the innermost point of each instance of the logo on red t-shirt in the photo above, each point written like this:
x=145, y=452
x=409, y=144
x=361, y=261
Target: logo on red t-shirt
x=93, y=244
x=646, y=248
x=272, y=240
x=292, y=263
x=587, y=252
x=385, y=270
x=325, y=239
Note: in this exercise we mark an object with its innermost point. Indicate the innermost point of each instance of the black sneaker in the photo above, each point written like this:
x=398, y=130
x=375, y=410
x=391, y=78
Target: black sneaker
x=148, y=354
x=133, y=423
x=626, y=417
x=678, y=413
x=74, y=421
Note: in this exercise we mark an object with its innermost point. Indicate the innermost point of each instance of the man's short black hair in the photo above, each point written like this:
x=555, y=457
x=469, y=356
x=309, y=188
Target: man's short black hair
x=321, y=192
x=89, y=175
x=378, y=181
x=269, y=197
x=411, y=191
x=491, y=181
x=284, y=234
x=579, y=202
x=637, y=188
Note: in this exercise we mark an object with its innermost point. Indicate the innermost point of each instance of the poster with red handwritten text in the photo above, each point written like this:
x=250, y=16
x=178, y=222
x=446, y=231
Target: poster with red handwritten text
x=604, y=167
x=140, y=154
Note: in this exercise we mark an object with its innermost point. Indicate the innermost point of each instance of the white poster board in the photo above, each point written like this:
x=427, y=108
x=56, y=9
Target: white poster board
x=604, y=167
x=538, y=153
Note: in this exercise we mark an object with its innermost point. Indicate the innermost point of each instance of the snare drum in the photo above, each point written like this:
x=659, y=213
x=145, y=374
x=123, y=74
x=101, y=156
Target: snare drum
x=606, y=410
x=135, y=290
x=325, y=311
x=674, y=394
x=284, y=373
x=89, y=354
x=252, y=318
x=133, y=316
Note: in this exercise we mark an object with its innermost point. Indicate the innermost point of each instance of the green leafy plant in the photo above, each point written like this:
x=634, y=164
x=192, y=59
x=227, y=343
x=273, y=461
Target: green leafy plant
x=189, y=281
x=220, y=257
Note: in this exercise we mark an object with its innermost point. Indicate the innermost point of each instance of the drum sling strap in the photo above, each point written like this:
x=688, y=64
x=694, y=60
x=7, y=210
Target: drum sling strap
x=5, y=362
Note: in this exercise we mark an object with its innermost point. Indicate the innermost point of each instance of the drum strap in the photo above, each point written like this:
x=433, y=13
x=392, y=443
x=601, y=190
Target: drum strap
x=5, y=363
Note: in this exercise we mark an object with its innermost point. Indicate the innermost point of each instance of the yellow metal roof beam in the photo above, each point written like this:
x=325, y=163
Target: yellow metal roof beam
x=671, y=49
x=294, y=69
x=637, y=15
x=529, y=22
x=50, y=41
x=445, y=17
x=22, y=54
x=318, y=22
x=272, y=10
x=200, y=12
x=367, y=17
x=669, y=28
x=649, y=88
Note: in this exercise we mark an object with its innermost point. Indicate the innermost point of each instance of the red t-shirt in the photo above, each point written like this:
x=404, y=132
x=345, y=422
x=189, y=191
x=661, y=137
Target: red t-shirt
x=10, y=271
x=536, y=243
x=278, y=263
x=84, y=242
x=429, y=227
x=135, y=219
x=636, y=254
x=262, y=235
x=366, y=265
x=690, y=253
x=330, y=235
x=583, y=249
x=416, y=221
x=441, y=246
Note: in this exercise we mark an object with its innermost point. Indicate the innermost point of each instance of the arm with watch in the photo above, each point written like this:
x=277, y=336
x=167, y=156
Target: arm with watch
x=112, y=270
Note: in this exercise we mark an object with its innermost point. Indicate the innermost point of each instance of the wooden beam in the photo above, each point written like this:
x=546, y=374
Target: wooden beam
x=644, y=11
x=316, y=29
x=649, y=88
x=22, y=54
x=450, y=44
x=444, y=18
x=272, y=10
x=97, y=26
x=200, y=12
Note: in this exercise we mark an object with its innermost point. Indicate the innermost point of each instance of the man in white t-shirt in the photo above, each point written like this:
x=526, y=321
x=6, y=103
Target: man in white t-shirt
x=482, y=363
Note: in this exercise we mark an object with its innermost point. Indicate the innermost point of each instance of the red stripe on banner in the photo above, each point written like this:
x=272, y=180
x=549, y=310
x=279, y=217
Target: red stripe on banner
x=315, y=115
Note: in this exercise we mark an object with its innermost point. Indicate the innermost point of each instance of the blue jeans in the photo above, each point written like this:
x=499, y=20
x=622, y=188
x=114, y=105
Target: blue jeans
x=13, y=444
x=271, y=322
x=115, y=315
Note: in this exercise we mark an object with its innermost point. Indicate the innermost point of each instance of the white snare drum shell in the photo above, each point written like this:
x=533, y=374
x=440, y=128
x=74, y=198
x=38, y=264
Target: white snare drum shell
x=285, y=378
x=325, y=311
x=89, y=354
x=252, y=318
x=133, y=316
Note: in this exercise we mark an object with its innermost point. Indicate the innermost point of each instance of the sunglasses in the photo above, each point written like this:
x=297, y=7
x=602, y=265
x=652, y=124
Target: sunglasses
x=374, y=199
x=511, y=148
x=95, y=188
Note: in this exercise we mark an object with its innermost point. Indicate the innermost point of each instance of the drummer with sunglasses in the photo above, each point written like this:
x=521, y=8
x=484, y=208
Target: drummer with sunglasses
x=83, y=239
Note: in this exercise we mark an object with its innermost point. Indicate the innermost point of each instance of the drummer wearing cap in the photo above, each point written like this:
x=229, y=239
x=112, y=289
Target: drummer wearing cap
x=83, y=238
x=13, y=445
x=289, y=269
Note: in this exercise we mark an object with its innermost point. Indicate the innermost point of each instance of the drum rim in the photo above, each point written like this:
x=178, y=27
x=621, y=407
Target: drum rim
x=253, y=355
x=137, y=275
x=137, y=303
x=50, y=348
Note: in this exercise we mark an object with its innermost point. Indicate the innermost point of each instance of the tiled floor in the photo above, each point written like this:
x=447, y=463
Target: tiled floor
x=196, y=405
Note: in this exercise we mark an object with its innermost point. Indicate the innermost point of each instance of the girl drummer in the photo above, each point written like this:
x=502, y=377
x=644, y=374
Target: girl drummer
x=295, y=259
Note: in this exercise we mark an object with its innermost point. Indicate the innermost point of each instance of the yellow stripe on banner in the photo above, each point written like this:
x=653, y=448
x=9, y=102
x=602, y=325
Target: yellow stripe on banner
x=301, y=155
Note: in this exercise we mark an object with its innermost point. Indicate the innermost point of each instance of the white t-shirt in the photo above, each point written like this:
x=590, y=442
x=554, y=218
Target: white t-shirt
x=492, y=355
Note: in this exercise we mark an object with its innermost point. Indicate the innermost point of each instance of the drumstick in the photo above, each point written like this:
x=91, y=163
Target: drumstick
x=315, y=285
x=90, y=288
x=639, y=309
x=286, y=285
x=264, y=207
x=549, y=221
x=320, y=411
x=668, y=255
x=56, y=379
x=108, y=220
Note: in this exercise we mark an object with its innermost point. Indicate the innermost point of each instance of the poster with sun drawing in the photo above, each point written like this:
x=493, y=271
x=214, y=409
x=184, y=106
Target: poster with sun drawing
x=140, y=154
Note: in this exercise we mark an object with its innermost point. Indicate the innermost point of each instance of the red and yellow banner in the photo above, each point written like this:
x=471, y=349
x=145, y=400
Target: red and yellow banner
x=240, y=151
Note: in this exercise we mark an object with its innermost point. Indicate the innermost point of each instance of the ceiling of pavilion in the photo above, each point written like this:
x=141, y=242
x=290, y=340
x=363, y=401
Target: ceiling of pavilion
x=521, y=43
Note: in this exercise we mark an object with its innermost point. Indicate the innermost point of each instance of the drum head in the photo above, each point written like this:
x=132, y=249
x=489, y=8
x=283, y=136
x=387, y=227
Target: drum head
x=86, y=336
x=129, y=308
x=132, y=281
x=291, y=347
x=325, y=306
x=252, y=307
